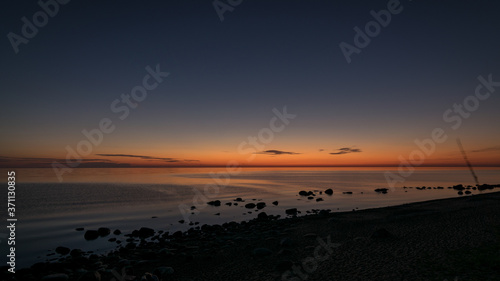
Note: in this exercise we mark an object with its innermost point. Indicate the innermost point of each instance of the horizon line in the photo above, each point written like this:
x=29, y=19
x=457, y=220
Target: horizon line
x=261, y=166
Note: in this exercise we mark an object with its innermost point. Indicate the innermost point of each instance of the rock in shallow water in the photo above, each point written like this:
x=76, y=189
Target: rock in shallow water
x=62, y=250
x=292, y=211
x=329, y=191
x=214, y=203
x=146, y=232
x=91, y=235
x=103, y=231
x=262, y=216
x=250, y=205
x=76, y=253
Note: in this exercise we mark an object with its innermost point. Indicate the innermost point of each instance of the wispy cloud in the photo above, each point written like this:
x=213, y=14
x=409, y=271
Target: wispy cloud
x=488, y=149
x=277, y=152
x=164, y=159
x=345, y=150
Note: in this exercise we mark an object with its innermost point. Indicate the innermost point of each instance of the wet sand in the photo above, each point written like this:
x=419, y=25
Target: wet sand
x=453, y=239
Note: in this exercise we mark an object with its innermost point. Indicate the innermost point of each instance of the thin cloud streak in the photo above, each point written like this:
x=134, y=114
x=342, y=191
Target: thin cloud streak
x=165, y=159
x=277, y=152
x=488, y=149
x=345, y=150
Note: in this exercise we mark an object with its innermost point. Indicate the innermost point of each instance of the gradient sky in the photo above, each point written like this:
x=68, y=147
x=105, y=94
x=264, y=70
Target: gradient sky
x=226, y=77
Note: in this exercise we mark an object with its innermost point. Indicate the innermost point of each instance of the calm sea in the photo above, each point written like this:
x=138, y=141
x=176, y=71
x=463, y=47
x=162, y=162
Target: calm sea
x=48, y=211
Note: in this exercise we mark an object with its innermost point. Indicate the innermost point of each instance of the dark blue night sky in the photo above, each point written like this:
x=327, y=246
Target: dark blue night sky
x=227, y=76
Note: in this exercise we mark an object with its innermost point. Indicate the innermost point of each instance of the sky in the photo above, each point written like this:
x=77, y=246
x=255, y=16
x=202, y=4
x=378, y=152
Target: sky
x=256, y=83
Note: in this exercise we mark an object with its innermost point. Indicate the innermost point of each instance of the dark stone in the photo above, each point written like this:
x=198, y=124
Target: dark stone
x=238, y=199
x=381, y=190
x=468, y=192
x=310, y=198
x=250, y=205
x=177, y=234
x=62, y=250
x=79, y=229
x=261, y=205
x=275, y=203
x=347, y=192
x=112, y=239
x=229, y=203
x=91, y=235
x=262, y=216
x=181, y=221
x=292, y=211
x=76, y=253
x=329, y=191
x=460, y=193
x=303, y=193
x=214, y=203
x=103, y=231
x=319, y=199
x=146, y=232
x=324, y=212
x=117, y=232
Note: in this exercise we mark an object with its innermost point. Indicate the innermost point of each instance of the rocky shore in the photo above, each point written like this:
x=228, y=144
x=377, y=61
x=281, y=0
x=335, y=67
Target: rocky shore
x=453, y=239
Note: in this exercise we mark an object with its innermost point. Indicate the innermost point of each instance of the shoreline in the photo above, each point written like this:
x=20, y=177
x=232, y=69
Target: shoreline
x=413, y=241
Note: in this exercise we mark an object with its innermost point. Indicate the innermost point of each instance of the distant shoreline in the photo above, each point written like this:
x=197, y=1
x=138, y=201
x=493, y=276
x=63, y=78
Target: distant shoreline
x=243, y=166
